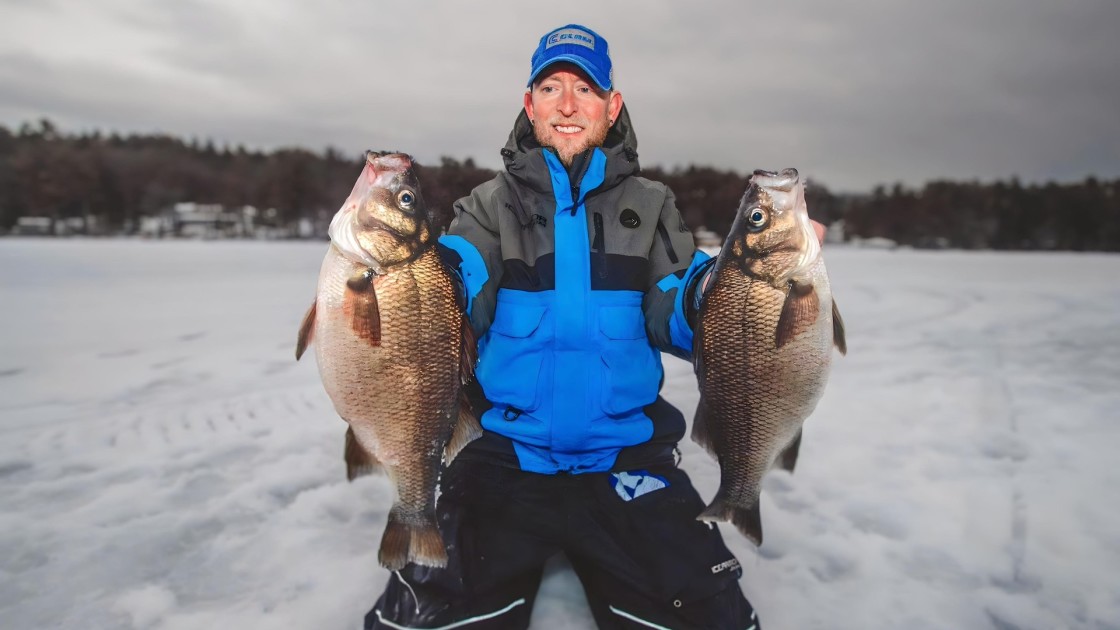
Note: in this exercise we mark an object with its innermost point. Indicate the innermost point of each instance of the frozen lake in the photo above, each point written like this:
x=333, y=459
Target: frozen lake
x=166, y=464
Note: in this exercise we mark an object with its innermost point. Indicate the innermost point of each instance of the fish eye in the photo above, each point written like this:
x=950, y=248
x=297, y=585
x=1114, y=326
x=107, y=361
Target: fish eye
x=405, y=198
x=757, y=218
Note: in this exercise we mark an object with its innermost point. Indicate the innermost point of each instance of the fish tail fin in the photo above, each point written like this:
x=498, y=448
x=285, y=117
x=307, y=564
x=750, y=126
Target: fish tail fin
x=403, y=543
x=359, y=461
x=393, y=554
x=700, y=433
x=306, y=330
x=426, y=547
x=747, y=520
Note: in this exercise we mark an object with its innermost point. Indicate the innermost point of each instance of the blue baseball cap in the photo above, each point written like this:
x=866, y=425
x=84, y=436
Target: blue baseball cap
x=575, y=44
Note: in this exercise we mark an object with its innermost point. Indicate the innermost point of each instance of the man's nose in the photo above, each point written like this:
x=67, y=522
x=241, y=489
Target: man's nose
x=567, y=105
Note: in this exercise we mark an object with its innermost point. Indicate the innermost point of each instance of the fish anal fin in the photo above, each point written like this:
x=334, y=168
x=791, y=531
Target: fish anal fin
x=360, y=306
x=747, y=520
x=467, y=429
x=700, y=433
x=359, y=461
x=788, y=459
x=306, y=331
x=799, y=312
x=838, y=336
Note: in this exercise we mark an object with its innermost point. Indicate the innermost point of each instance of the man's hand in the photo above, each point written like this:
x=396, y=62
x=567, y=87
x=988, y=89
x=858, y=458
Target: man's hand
x=819, y=229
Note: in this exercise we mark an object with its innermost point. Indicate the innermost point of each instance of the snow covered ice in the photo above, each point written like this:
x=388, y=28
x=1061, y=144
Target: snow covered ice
x=166, y=464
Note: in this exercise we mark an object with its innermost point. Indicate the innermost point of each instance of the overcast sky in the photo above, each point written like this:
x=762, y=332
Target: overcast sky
x=851, y=93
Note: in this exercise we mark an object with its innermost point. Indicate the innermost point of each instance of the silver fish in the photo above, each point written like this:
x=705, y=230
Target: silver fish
x=763, y=345
x=394, y=350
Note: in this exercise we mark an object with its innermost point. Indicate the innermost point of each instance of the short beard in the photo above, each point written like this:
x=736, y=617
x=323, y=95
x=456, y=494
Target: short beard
x=596, y=139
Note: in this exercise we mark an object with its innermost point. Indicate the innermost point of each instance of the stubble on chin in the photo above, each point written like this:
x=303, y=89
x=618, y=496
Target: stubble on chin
x=567, y=151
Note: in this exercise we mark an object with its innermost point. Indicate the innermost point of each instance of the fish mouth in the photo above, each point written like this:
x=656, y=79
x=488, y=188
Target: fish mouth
x=387, y=163
x=381, y=169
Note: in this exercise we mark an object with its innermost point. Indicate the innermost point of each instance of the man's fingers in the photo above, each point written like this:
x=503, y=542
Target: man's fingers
x=819, y=229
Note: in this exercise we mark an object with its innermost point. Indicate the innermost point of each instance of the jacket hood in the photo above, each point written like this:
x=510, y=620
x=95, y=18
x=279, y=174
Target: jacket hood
x=524, y=160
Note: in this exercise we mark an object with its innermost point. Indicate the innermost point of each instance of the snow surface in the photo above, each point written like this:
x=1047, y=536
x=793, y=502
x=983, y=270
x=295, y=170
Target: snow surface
x=165, y=463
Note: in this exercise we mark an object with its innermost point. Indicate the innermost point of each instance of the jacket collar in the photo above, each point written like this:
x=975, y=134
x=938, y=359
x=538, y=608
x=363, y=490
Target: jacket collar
x=525, y=162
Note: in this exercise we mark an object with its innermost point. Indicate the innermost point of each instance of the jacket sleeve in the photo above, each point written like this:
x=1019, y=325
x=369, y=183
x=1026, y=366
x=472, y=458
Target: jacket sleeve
x=674, y=262
x=472, y=245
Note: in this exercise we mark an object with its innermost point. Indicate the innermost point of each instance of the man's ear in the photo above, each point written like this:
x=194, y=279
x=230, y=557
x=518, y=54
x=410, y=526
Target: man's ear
x=614, y=107
x=529, y=104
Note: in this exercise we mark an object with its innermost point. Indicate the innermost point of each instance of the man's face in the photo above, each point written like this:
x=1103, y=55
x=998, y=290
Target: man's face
x=569, y=112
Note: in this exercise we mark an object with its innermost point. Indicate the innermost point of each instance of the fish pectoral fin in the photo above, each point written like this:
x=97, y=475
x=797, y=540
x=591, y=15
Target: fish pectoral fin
x=838, y=336
x=306, y=330
x=700, y=433
x=360, y=305
x=788, y=459
x=798, y=313
x=359, y=461
x=467, y=429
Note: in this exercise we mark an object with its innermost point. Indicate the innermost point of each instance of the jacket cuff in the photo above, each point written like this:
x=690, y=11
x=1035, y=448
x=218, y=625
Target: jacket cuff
x=680, y=328
x=471, y=269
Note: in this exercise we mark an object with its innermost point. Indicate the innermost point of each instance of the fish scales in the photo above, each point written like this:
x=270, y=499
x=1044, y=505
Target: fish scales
x=415, y=368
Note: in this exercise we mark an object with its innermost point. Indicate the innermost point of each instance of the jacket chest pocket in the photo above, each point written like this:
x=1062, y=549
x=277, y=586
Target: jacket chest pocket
x=631, y=368
x=511, y=362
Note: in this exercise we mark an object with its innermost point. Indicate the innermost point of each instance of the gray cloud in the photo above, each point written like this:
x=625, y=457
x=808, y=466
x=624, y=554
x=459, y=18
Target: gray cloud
x=852, y=93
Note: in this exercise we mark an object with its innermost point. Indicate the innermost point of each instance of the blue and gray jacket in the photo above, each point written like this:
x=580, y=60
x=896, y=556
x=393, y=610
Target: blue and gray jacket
x=574, y=283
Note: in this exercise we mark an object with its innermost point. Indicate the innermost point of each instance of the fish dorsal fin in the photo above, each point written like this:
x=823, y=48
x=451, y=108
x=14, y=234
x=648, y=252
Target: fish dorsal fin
x=799, y=313
x=467, y=429
x=838, y=336
x=306, y=330
x=468, y=355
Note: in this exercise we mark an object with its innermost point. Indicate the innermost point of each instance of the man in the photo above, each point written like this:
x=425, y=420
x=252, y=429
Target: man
x=577, y=272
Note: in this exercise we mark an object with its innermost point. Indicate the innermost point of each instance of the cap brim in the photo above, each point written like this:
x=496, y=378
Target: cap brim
x=573, y=59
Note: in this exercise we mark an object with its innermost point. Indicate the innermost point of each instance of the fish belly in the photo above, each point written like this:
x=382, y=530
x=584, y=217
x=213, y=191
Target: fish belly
x=755, y=395
x=399, y=394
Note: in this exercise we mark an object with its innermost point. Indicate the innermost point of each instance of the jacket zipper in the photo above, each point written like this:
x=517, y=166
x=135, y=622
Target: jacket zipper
x=600, y=245
x=667, y=242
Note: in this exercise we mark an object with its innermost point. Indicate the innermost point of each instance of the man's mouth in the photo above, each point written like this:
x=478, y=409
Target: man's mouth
x=568, y=128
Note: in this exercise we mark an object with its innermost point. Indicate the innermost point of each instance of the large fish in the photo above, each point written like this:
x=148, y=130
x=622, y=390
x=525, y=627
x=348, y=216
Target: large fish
x=763, y=345
x=394, y=350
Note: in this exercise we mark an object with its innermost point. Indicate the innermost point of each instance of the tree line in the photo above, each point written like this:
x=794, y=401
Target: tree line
x=120, y=178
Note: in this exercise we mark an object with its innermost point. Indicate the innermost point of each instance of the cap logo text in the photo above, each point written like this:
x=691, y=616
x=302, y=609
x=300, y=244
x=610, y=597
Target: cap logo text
x=571, y=36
